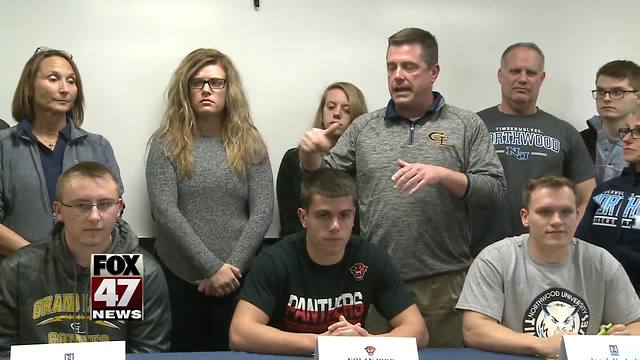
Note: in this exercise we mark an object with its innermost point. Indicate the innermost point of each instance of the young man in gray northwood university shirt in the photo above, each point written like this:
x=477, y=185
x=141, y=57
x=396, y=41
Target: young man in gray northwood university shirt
x=523, y=293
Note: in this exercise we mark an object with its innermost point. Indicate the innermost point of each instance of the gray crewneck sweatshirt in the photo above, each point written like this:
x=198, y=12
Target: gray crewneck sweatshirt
x=211, y=218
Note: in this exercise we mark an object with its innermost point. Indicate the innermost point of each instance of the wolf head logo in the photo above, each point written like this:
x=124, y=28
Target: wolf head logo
x=558, y=317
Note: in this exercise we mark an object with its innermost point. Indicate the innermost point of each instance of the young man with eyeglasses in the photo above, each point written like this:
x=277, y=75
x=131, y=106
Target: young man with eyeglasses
x=616, y=94
x=612, y=218
x=44, y=288
x=530, y=143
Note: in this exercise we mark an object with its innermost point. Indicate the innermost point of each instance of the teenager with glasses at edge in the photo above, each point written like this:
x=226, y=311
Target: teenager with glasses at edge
x=616, y=96
x=211, y=193
x=48, y=105
x=612, y=217
x=341, y=103
x=44, y=288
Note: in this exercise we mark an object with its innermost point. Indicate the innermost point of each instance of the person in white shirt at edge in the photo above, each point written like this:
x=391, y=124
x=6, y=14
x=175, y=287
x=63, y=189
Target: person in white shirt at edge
x=523, y=293
x=322, y=281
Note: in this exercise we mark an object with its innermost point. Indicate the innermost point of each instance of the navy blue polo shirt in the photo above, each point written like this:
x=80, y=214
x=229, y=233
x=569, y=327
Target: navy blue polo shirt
x=392, y=113
x=51, y=160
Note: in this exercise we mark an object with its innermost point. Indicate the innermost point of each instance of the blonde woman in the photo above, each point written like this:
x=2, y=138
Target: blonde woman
x=211, y=193
x=341, y=103
x=48, y=105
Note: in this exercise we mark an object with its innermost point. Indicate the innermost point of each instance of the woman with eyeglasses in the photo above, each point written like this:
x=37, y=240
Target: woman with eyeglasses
x=612, y=217
x=211, y=192
x=48, y=105
x=340, y=104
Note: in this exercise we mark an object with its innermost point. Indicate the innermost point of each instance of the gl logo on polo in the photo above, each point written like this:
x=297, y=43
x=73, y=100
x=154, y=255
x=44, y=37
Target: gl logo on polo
x=439, y=138
x=116, y=287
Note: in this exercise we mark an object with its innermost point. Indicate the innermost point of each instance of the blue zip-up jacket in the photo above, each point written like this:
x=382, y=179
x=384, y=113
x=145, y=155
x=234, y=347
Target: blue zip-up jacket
x=25, y=206
x=612, y=221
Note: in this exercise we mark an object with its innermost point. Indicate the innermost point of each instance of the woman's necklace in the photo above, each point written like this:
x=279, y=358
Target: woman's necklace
x=48, y=140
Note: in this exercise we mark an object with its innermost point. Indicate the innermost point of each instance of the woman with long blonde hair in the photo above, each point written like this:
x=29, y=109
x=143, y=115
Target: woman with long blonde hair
x=211, y=192
x=340, y=104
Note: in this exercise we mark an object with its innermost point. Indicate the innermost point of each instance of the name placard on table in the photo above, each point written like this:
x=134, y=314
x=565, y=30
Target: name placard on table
x=105, y=350
x=366, y=348
x=594, y=347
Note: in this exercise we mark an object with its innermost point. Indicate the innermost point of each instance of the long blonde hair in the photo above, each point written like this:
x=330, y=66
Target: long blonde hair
x=242, y=142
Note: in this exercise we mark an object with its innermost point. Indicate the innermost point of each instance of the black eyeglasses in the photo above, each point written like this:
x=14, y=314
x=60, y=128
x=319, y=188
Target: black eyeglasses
x=214, y=83
x=635, y=133
x=83, y=208
x=614, y=94
x=44, y=49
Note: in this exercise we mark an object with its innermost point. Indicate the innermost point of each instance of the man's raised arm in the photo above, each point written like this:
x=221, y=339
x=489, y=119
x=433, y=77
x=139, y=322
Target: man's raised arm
x=314, y=144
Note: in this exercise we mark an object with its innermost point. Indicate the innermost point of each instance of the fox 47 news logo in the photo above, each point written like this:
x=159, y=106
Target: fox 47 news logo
x=116, y=287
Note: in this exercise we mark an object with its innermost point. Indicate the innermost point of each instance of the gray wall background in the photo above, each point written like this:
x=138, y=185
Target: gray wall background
x=289, y=50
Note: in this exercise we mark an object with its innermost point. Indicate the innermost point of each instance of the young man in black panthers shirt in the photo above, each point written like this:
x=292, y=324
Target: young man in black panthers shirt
x=322, y=281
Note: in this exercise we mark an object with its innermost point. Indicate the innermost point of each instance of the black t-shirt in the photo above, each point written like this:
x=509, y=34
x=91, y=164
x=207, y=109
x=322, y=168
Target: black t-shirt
x=299, y=295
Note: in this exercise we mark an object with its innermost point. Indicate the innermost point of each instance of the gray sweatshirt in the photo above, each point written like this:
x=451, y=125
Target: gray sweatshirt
x=45, y=298
x=211, y=218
